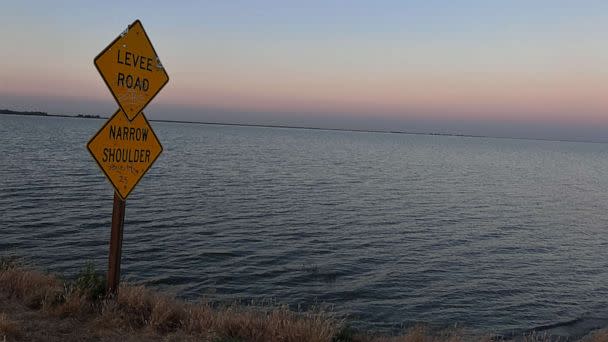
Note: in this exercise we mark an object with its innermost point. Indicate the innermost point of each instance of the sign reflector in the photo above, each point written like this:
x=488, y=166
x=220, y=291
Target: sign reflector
x=132, y=70
x=125, y=150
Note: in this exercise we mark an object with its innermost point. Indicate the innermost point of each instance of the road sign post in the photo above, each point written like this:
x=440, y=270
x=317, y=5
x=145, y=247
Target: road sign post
x=126, y=146
x=118, y=221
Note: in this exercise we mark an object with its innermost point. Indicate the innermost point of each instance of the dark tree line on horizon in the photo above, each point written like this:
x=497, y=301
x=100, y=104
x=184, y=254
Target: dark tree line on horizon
x=8, y=111
x=16, y=112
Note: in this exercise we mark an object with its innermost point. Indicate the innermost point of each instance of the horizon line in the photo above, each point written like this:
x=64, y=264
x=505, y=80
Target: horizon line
x=22, y=113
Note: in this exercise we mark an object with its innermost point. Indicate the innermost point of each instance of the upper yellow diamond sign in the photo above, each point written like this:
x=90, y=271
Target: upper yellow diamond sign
x=132, y=70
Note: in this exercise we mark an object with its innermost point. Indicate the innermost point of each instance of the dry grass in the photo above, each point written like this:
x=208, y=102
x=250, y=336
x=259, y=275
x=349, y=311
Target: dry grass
x=140, y=308
x=37, y=290
x=597, y=336
x=9, y=329
x=141, y=312
x=422, y=333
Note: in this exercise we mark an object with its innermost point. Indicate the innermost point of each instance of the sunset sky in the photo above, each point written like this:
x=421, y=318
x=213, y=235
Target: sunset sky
x=516, y=68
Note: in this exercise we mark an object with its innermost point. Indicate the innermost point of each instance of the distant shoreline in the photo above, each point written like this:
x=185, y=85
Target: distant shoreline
x=88, y=116
x=35, y=113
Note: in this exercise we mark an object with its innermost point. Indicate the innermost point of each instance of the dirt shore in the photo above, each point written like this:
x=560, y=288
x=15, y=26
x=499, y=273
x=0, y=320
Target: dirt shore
x=35, y=306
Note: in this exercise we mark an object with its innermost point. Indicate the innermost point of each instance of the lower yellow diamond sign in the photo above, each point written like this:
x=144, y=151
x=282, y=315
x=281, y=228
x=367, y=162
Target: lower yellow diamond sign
x=125, y=150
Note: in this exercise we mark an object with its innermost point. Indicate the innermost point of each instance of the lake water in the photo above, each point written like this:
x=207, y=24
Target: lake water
x=388, y=229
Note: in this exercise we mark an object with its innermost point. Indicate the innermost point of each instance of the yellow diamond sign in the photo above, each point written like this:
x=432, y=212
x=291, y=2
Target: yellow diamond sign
x=125, y=150
x=132, y=70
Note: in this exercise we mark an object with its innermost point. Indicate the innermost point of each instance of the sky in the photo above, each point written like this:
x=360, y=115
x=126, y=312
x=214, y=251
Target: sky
x=510, y=68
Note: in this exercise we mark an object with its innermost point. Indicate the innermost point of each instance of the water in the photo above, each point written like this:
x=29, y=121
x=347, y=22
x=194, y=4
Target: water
x=388, y=229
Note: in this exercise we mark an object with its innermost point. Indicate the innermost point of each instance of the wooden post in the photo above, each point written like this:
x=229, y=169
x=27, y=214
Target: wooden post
x=118, y=220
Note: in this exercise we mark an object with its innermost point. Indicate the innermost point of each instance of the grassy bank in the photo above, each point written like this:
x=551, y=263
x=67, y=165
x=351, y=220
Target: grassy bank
x=35, y=306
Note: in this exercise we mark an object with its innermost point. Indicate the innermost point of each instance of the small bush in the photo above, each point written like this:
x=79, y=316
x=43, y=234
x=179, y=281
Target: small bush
x=90, y=283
